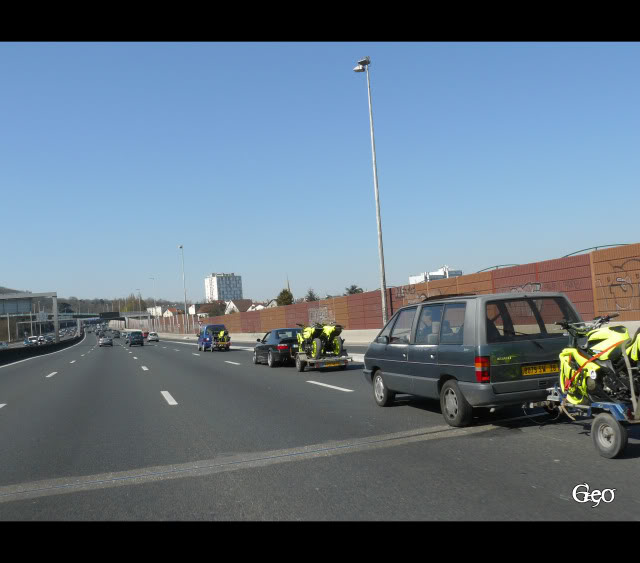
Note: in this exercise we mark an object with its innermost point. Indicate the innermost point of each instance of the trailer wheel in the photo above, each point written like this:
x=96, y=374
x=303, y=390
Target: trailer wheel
x=300, y=365
x=608, y=435
x=316, y=348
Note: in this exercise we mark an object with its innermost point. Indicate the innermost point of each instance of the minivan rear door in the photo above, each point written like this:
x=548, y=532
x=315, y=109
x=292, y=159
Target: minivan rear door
x=523, y=342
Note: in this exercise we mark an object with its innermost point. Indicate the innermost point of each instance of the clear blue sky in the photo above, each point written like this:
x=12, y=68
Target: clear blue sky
x=257, y=157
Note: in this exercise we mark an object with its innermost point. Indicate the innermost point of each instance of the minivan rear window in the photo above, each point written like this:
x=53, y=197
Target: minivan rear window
x=526, y=318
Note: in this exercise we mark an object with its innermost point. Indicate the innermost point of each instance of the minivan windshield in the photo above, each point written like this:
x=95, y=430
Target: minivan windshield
x=526, y=318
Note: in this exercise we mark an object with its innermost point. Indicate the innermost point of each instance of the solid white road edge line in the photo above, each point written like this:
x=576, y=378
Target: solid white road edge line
x=331, y=386
x=52, y=374
x=43, y=355
x=234, y=363
x=168, y=397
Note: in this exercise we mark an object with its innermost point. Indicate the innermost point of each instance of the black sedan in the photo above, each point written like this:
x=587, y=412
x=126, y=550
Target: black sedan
x=277, y=347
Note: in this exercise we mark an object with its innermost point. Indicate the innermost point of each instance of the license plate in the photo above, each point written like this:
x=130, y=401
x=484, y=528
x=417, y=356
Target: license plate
x=330, y=365
x=540, y=369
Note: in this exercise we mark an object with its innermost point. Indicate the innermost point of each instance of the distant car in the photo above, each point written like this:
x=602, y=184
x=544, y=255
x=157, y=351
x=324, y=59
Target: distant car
x=105, y=341
x=3, y=346
x=116, y=334
x=153, y=337
x=49, y=339
x=31, y=341
x=136, y=338
x=40, y=339
x=277, y=347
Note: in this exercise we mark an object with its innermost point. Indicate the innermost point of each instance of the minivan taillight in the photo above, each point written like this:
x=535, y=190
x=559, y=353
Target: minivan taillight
x=483, y=363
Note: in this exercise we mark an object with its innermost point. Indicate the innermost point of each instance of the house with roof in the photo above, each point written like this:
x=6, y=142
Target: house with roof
x=238, y=306
x=172, y=312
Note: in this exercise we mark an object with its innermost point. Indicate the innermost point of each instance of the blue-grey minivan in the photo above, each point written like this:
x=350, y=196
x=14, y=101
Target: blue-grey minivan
x=471, y=351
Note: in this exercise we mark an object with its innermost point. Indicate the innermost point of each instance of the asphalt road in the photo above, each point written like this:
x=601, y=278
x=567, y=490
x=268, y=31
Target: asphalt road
x=164, y=432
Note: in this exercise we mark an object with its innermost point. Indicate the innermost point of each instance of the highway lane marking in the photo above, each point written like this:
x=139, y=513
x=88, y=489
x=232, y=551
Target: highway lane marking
x=145, y=368
x=234, y=363
x=195, y=354
x=169, y=398
x=72, y=362
x=42, y=355
x=176, y=350
x=82, y=355
x=52, y=374
x=3, y=405
x=135, y=357
x=68, y=485
x=331, y=386
x=164, y=347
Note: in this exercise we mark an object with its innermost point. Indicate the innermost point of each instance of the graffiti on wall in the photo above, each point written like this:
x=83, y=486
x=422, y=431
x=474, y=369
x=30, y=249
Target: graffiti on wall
x=529, y=287
x=619, y=288
x=320, y=315
x=409, y=294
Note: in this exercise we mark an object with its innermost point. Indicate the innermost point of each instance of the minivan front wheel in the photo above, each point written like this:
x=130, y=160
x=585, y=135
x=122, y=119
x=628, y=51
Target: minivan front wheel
x=381, y=393
x=455, y=408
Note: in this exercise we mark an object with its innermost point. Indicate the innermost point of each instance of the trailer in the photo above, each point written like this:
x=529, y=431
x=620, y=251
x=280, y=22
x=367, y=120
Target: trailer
x=341, y=362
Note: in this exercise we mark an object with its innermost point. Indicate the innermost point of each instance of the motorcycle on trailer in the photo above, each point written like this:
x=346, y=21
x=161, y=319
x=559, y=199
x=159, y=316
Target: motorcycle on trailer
x=601, y=378
x=319, y=340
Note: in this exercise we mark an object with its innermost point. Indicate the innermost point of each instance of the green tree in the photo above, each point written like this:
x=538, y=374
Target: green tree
x=285, y=297
x=311, y=296
x=352, y=290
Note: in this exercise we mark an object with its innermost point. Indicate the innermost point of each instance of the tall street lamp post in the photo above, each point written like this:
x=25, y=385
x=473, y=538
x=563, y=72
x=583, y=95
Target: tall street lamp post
x=363, y=66
x=139, y=306
x=184, y=287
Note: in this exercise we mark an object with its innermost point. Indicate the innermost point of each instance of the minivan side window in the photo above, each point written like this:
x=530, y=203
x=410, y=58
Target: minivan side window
x=452, y=330
x=402, y=329
x=428, y=330
x=387, y=329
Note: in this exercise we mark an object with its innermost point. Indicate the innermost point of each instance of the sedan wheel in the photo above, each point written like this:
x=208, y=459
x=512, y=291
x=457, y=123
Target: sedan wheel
x=255, y=357
x=270, y=361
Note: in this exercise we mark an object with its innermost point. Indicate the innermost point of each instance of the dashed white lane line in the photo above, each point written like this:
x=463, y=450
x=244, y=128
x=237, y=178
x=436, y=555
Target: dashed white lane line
x=176, y=350
x=135, y=357
x=52, y=374
x=169, y=398
x=82, y=355
x=164, y=347
x=72, y=362
x=331, y=386
x=195, y=354
x=3, y=405
x=234, y=363
x=145, y=368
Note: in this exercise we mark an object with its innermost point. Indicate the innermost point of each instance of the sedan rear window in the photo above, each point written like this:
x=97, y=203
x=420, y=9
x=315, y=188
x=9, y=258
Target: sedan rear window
x=526, y=318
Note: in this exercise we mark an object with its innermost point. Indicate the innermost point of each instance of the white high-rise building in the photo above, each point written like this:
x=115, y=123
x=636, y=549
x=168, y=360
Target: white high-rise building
x=222, y=287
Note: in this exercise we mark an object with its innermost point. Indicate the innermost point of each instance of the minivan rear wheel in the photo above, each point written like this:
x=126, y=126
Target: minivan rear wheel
x=455, y=408
x=381, y=393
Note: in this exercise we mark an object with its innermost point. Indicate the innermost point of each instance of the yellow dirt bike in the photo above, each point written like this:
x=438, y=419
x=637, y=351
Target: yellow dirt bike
x=321, y=339
x=597, y=369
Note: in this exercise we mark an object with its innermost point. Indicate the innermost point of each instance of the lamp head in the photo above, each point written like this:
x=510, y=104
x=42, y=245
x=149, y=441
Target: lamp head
x=365, y=61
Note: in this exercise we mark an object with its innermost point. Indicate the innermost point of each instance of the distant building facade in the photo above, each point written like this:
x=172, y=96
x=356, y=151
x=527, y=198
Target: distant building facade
x=442, y=273
x=222, y=287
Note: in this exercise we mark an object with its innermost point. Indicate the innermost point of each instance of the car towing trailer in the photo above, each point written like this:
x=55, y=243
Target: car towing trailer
x=609, y=427
x=341, y=362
